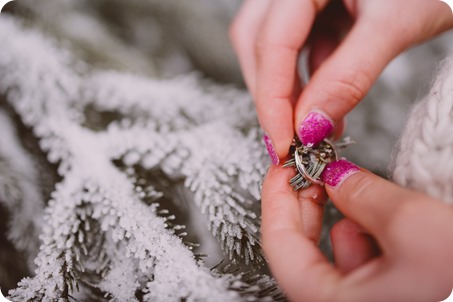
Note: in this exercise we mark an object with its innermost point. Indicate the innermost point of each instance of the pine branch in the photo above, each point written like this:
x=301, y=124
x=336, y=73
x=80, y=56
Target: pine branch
x=252, y=286
x=216, y=157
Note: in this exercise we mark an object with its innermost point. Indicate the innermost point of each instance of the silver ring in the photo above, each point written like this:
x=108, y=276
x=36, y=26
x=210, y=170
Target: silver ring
x=310, y=162
x=301, y=168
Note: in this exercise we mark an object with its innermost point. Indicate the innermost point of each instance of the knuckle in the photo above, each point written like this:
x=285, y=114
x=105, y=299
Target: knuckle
x=265, y=43
x=260, y=47
x=403, y=35
x=239, y=33
x=360, y=192
x=277, y=63
x=351, y=88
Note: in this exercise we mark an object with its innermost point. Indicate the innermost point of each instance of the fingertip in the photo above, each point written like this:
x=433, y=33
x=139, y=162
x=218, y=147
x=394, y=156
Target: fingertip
x=314, y=128
x=338, y=172
x=271, y=150
x=283, y=144
x=276, y=119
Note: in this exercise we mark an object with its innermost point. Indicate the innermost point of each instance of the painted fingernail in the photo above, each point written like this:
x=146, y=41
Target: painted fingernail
x=271, y=150
x=315, y=127
x=335, y=173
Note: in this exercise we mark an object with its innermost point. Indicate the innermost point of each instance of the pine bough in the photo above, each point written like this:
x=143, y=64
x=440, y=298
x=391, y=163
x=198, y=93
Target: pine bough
x=107, y=232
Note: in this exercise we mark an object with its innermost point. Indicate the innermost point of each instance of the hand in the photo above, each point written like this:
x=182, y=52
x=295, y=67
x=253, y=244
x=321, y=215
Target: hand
x=268, y=36
x=393, y=245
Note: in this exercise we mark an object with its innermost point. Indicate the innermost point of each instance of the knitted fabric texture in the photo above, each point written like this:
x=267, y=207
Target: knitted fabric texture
x=423, y=160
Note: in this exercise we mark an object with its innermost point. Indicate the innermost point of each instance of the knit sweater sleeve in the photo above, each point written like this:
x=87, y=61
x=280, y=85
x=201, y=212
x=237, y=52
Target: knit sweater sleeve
x=423, y=160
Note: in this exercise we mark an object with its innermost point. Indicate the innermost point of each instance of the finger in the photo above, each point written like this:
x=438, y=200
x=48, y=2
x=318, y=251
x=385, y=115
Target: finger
x=243, y=35
x=401, y=222
x=285, y=209
x=279, y=204
x=311, y=202
x=330, y=27
x=365, y=198
x=324, y=40
x=351, y=245
x=346, y=76
x=284, y=32
x=295, y=260
x=322, y=46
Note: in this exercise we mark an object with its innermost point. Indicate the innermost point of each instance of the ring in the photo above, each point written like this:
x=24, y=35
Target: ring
x=309, y=162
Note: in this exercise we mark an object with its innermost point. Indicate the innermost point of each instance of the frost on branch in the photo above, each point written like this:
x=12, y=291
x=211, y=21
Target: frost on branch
x=129, y=151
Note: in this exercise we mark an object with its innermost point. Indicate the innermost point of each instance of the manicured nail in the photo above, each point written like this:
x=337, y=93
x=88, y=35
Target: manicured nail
x=335, y=173
x=315, y=127
x=271, y=150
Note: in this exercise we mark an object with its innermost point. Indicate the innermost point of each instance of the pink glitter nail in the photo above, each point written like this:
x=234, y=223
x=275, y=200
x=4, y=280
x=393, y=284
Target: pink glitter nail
x=271, y=150
x=314, y=128
x=335, y=173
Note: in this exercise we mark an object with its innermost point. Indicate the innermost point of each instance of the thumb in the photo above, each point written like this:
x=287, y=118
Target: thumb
x=409, y=227
x=367, y=199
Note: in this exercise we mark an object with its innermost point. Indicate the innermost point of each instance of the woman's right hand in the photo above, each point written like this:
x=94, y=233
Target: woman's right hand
x=269, y=34
x=393, y=245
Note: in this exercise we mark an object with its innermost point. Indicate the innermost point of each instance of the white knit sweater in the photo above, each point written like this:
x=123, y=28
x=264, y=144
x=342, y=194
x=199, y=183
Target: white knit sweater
x=424, y=158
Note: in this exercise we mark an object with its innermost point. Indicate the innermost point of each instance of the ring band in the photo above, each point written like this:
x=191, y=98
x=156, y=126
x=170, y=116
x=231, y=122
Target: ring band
x=310, y=162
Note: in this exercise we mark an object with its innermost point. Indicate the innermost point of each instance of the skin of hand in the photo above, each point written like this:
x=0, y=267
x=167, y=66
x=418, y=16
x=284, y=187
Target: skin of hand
x=350, y=42
x=393, y=244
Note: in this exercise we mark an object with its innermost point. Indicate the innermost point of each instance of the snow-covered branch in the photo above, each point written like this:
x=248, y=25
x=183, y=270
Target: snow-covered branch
x=98, y=221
